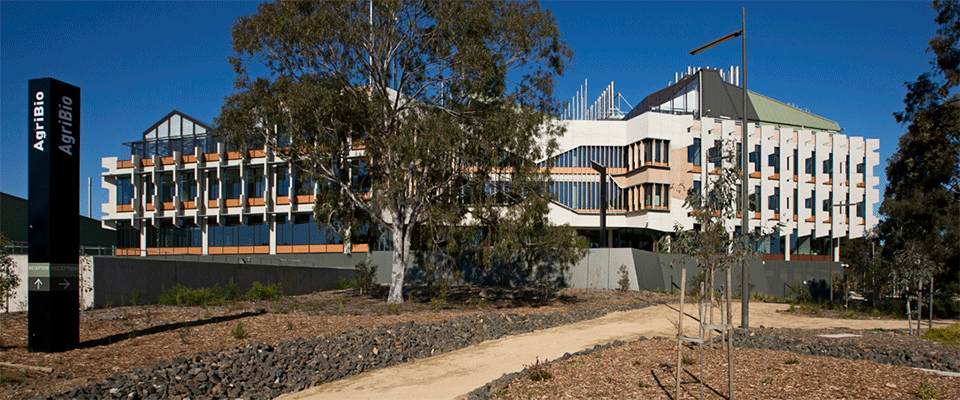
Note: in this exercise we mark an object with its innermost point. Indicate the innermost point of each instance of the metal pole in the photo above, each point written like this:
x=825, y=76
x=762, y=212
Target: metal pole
x=745, y=222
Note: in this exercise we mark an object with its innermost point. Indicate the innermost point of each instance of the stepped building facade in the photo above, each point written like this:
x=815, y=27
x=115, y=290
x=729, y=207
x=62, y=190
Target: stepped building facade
x=182, y=191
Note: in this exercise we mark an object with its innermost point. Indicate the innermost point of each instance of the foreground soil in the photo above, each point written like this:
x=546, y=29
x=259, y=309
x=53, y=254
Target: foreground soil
x=647, y=370
x=124, y=338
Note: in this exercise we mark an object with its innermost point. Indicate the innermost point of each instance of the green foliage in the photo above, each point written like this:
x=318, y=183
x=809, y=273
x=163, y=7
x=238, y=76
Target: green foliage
x=366, y=275
x=438, y=119
x=9, y=280
x=688, y=361
x=793, y=361
x=180, y=295
x=948, y=335
x=920, y=205
x=261, y=292
x=538, y=371
x=624, y=281
x=925, y=390
x=238, y=332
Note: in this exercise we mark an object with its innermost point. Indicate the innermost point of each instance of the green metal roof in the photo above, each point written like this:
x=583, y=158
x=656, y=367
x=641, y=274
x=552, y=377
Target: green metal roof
x=775, y=112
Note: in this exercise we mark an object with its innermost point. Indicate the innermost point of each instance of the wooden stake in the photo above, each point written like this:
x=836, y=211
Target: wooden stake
x=729, y=332
x=683, y=285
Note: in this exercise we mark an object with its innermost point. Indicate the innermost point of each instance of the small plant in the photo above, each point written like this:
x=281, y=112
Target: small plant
x=261, y=292
x=643, y=384
x=767, y=381
x=238, y=332
x=538, y=371
x=624, y=281
x=366, y=275
x=948, y=335
x=793, y=361
x=688, y=361
x=925, y=390
x=136, y=297
x=394, y=309
x=184, y=334
x=232, y=293
x=10, y=380
x=290, y=325
x=793, y=308
x=108, y=301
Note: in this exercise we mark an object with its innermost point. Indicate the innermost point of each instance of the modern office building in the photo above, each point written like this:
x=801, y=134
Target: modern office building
x=182, y=191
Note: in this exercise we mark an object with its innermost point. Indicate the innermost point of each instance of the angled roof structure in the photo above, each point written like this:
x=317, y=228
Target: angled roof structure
x=720, y=99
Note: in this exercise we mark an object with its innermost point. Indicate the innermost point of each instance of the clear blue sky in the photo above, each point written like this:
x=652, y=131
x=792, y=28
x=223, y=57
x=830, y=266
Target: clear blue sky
x=137, y=61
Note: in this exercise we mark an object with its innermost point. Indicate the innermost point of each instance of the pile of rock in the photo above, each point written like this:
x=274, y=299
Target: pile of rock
x=265, y=371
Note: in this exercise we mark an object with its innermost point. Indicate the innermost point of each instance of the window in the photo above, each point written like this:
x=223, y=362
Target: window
x=848, y=167
x=827, y=206
x=656, y=151
x=773, y=202
x=713, y=155
x=213, y=185
x=693, y=152
x=861, y=210
x=861, y=168
x=697, y=188
x=231, y=183
x=301, y=186
x=255, y=183
x=656, y=195
x=124, y=191
x=828, y=166
x=811, y=166
x=796, y=200
x=773, y=160
x=755, y=158
x=283, y=182
x=148, y=187
x=188, y=186
x=796, y=161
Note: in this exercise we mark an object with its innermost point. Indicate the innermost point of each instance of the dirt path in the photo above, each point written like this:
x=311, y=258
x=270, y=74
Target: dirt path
x=454, y=374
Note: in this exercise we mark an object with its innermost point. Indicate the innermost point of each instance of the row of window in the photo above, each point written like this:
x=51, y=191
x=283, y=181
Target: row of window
x=773, y=201
x=299, y=230
x=773, y=159
x=186, y=187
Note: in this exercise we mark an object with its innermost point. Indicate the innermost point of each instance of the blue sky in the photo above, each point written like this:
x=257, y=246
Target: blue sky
x=137, y=61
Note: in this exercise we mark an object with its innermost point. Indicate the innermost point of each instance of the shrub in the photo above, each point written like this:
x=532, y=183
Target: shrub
x=925, y=391
x=366, y=275
x=238, y=332
x=184, y=296
x=948, y=335
x=624, y=281
x=538, y=371
x=261, y=292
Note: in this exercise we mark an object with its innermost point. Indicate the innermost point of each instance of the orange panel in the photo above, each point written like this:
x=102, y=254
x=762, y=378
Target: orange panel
x=828, y=182
x=256, y=201
x=233, y=155
x=303, y=199
x=212, y=204
x=124, y=208
x=696, y=169
x=756, y=215
x=211, y=157
x=284, y=249
x=189, y=204
x=194, y=250
x=166, y=160
x=168, y=205
x=794, y=178
x=283, y=200
x=775, y=177
x=755, y=175
x=334, y=248
x=146, y=162
x=233, y=202
x=261, y=249
x=300, y=249
x=811, y=219
x=861, y=185
x=256, y=154
x=776, y=216
x=149, y=207
x=188, y=159
x=124, y=164
x=317, y=248
x=360, y=248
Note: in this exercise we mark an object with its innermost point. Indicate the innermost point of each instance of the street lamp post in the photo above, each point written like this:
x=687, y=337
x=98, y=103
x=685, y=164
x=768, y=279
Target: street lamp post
x=744, y=161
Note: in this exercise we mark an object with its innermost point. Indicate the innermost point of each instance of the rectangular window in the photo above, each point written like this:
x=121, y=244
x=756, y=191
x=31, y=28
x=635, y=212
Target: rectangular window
x=148, y=187
x=697, y=188
x=848, y=167
x=647, y=151
x=213, y=185
x=861, y=210
x=810, y=167
x=755, y=158
x=188, y=186
x=124, y=191
x=773, y=160
x=283, y=182
x=693, y=153
x=773, y=202
x=861, y=168
x=796, y=161
x=231, y=183
x=255, y=184
x=827, y=206
x=828, y=166
x=713, y=154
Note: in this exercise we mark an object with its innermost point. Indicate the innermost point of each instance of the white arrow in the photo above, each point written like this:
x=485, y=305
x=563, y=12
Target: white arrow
x=38, y=282
x=65, y=284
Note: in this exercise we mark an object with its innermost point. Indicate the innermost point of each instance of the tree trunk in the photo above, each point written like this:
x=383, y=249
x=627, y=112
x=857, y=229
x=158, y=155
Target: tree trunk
x=930, y=307
x=919, y=304
x=401, y=253
x=909, y=315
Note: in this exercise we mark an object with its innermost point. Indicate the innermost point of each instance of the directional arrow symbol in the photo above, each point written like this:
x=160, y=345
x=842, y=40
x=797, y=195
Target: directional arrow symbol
x=38, y=283
x=65, y=284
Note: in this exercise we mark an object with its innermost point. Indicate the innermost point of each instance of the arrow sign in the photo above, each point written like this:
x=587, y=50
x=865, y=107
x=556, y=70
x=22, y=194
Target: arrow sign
x=38, y=283
x=65, y=284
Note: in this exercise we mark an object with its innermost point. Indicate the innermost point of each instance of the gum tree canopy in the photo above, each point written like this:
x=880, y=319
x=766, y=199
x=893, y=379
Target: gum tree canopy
x=406, y=112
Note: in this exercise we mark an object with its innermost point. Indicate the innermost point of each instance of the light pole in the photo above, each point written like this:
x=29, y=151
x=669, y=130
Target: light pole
x=744, y=187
